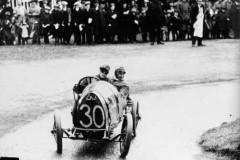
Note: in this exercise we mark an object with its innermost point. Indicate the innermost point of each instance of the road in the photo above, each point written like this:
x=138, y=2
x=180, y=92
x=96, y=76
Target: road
x=169, y=129
x=183, y=92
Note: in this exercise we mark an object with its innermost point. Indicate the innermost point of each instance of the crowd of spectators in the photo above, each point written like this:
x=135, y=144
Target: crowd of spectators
x=114, y=21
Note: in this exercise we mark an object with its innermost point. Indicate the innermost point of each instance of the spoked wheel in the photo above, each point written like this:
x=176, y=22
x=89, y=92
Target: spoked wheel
x=136, y=117
x=126, y=138
x=57, y=130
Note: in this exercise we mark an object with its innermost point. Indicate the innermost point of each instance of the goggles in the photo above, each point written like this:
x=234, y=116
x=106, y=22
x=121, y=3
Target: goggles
x=104, y=71
x=121, y=72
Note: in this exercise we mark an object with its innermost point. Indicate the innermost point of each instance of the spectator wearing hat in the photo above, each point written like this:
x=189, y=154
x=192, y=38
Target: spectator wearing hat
x=134, y=4
x=178, y=6
x=185, y=10
x=223, y=23
x=5, y=29
x=176, y=24
x=133, y=25
x=34, y=10
x=8, y=31
x=56, y=22
x=143, y=21
x=208, y=19
x=66, y=23
x=20, y=13
x=78, y=23
x=155, y=19
x=88, y=22
x=234, y=18
x=169, y=16
x=123, y=21
x=97, y=22
x=215, y=25
x=45, y=4
x=111, y=23
x=227, y=4
x=8, y=9
x=171, y=7
x=103, y=21
x=7, y=16
x=102, y=5
x=46, y=21
x=13, y=31
x=217, y=5
x=34, y=23
x=104, y=70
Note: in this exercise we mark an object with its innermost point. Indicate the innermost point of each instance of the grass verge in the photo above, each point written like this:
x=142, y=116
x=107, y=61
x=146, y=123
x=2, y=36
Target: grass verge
x=223, y=140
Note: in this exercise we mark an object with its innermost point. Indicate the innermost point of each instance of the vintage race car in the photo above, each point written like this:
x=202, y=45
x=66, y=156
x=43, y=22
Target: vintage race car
x=99, y=109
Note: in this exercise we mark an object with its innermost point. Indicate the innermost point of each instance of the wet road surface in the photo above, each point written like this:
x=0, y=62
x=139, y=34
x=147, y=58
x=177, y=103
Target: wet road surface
x=172, y=122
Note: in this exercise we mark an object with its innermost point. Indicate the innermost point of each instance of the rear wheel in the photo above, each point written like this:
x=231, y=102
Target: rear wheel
x=126, y=138
x=57, y=130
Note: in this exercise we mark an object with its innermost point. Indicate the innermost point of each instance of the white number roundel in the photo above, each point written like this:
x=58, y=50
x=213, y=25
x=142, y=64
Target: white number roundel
x=92, y=118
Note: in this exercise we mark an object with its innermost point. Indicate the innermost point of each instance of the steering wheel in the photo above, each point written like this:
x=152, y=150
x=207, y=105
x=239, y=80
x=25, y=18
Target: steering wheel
x=84, y=82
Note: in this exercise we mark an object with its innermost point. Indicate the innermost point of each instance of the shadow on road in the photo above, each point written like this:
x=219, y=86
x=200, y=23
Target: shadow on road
x=98, y=150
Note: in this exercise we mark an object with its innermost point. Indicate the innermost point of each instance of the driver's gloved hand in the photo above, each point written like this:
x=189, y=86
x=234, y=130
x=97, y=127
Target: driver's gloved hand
x=76, y=88
x=128, y=109
x=129, y=102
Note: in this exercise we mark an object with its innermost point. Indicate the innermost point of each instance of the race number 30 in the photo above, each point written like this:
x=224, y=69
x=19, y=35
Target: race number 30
x=92, y=118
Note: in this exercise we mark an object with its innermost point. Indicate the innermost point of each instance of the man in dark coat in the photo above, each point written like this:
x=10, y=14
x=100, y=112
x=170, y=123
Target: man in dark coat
x=8, y=8
x=143, y=21
x=66, y=23
x=98, y=22
x=34, y=21
x=46, y=21
x=123, y=22
x=133, y=25
x=155, y=19
x=88, y=22
x=103, y=20
x=223, y=23
x=111, y=23
x=77, y=22
x=234, y=18
x=56, y=22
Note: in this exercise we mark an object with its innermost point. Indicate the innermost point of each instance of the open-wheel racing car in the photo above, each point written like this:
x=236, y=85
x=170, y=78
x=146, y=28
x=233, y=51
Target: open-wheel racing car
x=98, y=109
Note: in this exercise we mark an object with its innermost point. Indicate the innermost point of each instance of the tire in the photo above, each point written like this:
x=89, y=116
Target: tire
x=135, y=116
x=58, y=134
x=138, y=114
x=126, y=139
x=74, y=114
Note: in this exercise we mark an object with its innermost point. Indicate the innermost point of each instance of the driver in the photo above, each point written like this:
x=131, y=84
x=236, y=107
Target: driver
x=122, y=86
x=119, y=83
x=104, y=70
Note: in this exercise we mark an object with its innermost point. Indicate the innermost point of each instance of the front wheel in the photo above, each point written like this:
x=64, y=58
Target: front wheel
x=57, y=130
x=126, y=138
x=135, y=116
